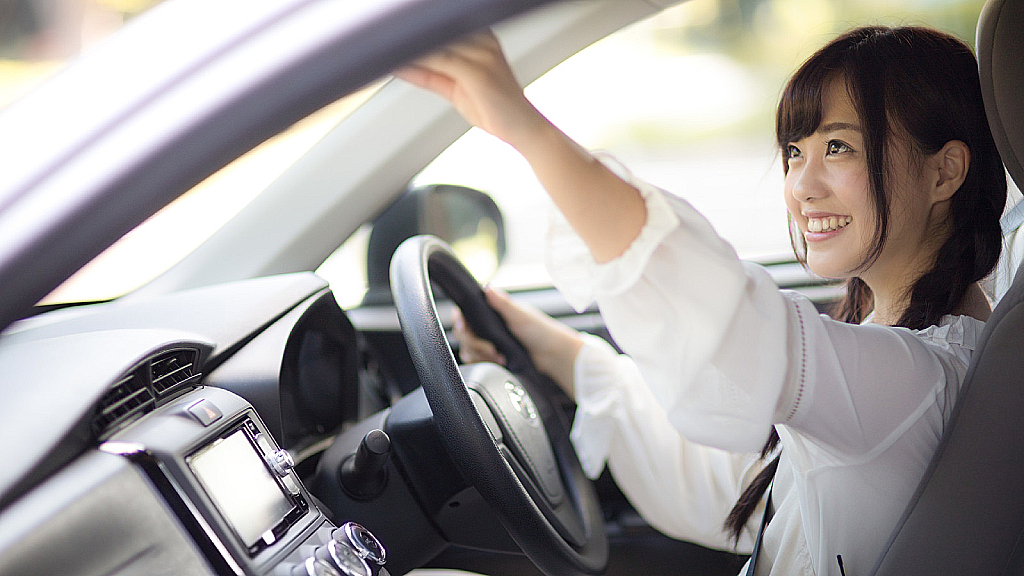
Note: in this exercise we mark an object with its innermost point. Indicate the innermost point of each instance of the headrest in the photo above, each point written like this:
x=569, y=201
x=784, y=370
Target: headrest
x=1001, y=59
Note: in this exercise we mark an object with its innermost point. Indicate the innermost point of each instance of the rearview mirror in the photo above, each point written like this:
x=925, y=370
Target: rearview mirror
x=467, y=219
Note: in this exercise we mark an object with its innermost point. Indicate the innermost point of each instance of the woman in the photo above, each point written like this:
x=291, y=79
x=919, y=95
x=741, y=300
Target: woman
x=892, y=182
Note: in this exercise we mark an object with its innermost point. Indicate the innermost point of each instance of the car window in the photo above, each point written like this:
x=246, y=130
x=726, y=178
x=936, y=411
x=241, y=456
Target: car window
x=145, y=252
x=686, y=101
x=37, y=39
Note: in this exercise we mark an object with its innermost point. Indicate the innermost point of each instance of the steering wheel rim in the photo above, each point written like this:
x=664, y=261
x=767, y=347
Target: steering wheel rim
x=483, y=463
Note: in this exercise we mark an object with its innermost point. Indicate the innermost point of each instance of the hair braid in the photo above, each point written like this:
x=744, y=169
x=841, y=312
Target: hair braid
x=753, y=493
x=968, y=255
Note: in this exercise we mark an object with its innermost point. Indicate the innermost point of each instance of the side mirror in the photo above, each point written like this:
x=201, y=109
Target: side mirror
x=467, y=219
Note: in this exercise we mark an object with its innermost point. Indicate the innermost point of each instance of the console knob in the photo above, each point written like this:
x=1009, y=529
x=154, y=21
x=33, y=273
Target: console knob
x=362, y=541
x=281, y=462
x=343, y=559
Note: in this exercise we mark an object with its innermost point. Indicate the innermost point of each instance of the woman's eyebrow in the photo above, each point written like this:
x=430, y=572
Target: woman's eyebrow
x=837, y=126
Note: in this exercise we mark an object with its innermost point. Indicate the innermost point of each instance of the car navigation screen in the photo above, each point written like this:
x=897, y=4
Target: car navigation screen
x=242, y=487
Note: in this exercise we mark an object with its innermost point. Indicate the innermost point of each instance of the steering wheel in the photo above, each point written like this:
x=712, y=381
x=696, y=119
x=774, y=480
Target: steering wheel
x=500, y=428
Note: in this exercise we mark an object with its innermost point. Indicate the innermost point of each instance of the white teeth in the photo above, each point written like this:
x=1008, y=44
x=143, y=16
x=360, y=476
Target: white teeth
x=828, y=223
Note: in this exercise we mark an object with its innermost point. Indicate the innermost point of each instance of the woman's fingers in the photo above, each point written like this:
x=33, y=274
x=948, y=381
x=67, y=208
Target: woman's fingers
x=526, y=323
x=472, y=348
x=552, y=346
x=428, y=79
x=500, y=301
x=474, y=76
x=477, y=60
x=479, y=51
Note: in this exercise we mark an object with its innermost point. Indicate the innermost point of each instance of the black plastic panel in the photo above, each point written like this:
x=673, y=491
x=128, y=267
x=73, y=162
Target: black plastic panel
x=301, y=373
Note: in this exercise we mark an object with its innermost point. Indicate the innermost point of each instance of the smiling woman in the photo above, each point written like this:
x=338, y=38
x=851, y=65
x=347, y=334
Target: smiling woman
x=729, y=361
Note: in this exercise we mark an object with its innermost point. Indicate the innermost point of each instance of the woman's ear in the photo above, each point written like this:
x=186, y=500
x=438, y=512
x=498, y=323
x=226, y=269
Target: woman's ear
x=949, y=166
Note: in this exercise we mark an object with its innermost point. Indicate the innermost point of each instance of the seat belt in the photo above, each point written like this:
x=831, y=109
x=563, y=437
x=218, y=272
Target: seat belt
x=760, y=533
x=1013, y=218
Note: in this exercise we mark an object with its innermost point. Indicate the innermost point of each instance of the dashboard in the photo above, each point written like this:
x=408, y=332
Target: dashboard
x=161, y=437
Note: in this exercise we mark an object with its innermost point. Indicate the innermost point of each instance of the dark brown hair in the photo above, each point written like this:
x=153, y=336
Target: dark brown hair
x=920, y=85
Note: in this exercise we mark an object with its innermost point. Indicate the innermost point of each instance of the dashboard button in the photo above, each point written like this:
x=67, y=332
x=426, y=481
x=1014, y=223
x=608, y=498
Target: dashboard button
x=291, y=485
x=281, y=462
x=253, y=429
x=264, y=443
x=205, y=412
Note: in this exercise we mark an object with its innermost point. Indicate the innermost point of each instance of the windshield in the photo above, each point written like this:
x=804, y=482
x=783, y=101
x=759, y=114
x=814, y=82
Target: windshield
x=685, y=99
x=145, y=252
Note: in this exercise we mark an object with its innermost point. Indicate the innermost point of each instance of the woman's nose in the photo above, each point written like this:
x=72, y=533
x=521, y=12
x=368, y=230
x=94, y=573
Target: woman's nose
x=807, y=182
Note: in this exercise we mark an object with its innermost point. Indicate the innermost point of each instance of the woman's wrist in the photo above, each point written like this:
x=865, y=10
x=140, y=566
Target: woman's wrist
x=532, y=133
x=559, y=359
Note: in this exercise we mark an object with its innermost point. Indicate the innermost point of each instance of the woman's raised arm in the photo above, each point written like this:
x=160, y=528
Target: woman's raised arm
x=475, y=77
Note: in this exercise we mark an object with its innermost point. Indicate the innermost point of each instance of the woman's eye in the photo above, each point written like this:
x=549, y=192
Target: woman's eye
x=792, y=152
x=837, y=147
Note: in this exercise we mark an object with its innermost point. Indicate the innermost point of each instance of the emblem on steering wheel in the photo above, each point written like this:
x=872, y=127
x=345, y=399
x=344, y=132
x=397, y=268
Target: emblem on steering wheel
x=522, y=402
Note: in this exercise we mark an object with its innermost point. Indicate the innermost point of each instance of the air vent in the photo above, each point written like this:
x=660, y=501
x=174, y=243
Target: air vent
x=173, y=368
x=127, y=399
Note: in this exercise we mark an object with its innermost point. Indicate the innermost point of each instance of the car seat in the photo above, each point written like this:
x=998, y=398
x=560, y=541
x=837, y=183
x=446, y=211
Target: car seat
x=967, y=516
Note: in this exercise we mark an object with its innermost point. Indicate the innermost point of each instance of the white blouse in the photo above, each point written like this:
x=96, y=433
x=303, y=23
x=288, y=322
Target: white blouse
x=717, y=355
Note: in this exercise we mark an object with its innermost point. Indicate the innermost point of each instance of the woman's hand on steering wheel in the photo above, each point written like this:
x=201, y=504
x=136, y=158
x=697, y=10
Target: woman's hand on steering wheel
x=552, y=345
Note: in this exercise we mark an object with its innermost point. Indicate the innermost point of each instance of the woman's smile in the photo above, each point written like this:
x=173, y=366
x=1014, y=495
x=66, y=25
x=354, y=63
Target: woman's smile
x=824, y=226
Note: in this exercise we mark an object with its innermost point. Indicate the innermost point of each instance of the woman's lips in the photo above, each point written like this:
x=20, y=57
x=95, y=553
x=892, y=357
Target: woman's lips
x=823, y=227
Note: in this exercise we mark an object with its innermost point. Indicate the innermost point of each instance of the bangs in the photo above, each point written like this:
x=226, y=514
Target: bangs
x=800, y=107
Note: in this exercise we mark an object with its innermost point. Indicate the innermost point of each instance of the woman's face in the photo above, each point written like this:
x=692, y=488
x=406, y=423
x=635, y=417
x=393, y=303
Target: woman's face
x=827, y=191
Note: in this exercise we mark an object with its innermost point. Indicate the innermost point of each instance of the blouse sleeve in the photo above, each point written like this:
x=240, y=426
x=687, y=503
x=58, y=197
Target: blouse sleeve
x=683, y=489
x=727, y=354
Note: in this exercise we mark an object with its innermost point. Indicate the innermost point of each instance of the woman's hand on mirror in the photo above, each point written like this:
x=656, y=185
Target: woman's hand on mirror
x=476, y=78
x=552, y=345
x=607, y=212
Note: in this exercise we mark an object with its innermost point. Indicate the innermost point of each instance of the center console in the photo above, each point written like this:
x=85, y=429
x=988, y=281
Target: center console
x=236, y=493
